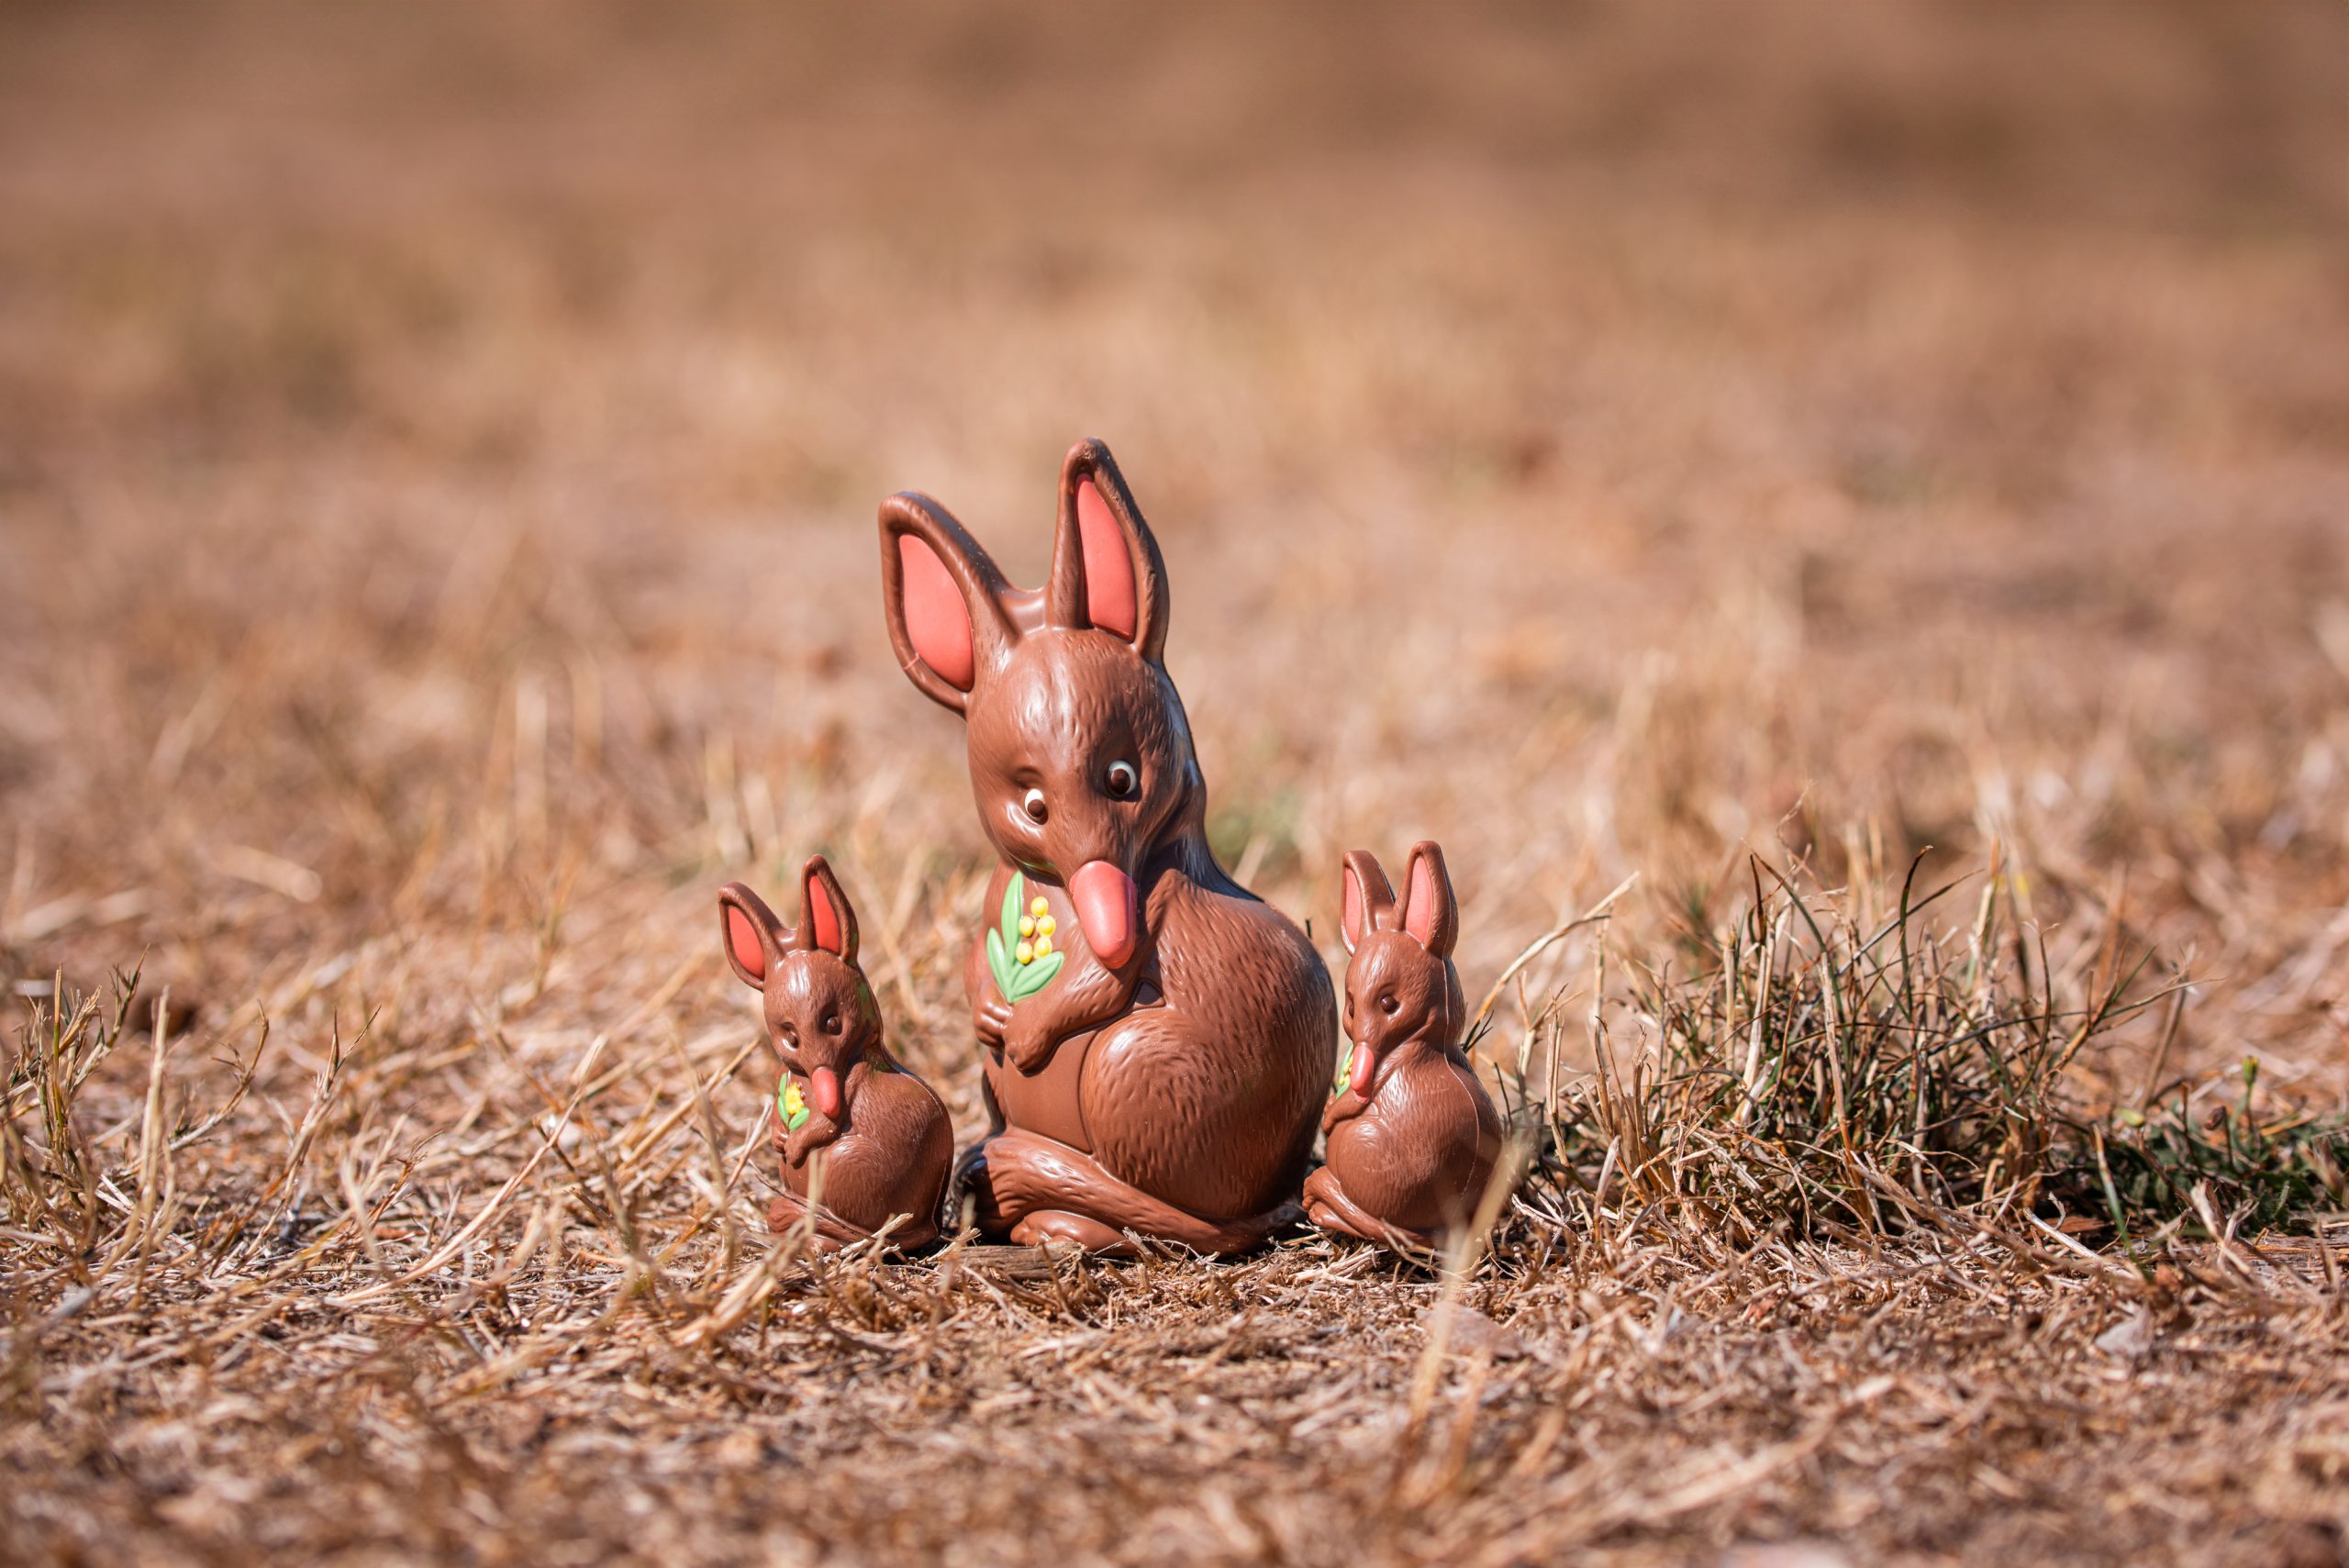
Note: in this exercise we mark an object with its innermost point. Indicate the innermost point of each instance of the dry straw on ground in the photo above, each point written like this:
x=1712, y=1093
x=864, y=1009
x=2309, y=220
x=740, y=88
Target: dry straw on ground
x=1875, y=476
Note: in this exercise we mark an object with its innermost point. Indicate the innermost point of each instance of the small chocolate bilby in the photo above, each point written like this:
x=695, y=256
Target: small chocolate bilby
x=1412, y=1137
x=864, y=1141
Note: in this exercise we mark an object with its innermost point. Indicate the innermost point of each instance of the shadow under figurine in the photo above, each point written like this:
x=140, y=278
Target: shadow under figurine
x=1412, y=1137
x=865, y=1137
x=1155, y=1040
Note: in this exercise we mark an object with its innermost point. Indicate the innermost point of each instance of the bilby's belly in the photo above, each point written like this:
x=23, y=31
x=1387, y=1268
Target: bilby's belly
x=1389, y=1172
x=1044, y=1103
x=1216, y=1132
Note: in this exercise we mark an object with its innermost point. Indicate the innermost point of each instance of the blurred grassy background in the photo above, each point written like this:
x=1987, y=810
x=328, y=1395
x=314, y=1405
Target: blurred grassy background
x=438, y=454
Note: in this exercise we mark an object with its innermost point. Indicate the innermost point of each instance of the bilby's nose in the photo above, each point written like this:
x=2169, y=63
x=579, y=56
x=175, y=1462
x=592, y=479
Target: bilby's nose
x=1106, y=901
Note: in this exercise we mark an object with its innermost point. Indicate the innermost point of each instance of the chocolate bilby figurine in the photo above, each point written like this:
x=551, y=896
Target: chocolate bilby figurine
x=865, y=1137
x=1413, y=1138
x=1155, y=1040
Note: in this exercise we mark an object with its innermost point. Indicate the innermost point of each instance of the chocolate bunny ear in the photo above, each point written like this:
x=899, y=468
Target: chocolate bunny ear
x=1429, y=912
x=1106, y=571
x=1368, y=900
x=944, y=599
x=753, y=937
x=826, y=919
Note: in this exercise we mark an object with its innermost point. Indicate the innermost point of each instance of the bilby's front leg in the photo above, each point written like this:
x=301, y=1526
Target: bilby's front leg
x=1082, y=997
x=1343, y=1107
x=990, y=1014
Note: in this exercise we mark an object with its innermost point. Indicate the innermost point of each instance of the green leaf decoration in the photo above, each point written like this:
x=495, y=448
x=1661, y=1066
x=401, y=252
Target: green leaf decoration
x=1016, y=980
x=1033, y=977
x=1014, y=896
x=999, y=942
x=1345, y=1075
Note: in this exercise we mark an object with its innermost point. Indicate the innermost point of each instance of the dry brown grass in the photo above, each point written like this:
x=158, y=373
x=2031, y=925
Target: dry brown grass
x=436, y=480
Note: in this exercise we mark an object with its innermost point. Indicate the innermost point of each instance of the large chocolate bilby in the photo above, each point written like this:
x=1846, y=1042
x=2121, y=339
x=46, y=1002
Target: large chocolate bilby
x=1412, y=1137
x=864, y=1141
x=1155, y=1041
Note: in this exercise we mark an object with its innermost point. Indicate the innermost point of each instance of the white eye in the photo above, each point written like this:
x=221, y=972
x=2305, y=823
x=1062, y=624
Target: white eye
x=1033, y=804
x=1121, y=781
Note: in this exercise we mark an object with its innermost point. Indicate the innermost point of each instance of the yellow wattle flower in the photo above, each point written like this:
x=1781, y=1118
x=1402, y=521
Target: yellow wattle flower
x=1041, y=907
x=1025, y=952
x=1043, y=947
x=1027, y=925
x=1044, y=926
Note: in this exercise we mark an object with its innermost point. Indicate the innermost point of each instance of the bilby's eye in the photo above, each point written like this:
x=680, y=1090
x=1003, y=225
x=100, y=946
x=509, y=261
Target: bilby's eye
x=790, y=1037
x=1033, y=804
x=831, y=1023
x=1386, y=1002
x=1121, y=781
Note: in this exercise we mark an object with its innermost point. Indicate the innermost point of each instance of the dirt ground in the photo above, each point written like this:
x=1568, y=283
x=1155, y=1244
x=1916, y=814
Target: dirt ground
x=437, y=463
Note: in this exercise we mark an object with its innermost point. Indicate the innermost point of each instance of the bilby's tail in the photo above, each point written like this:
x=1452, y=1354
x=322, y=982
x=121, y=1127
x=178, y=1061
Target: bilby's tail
x=1025, y=1173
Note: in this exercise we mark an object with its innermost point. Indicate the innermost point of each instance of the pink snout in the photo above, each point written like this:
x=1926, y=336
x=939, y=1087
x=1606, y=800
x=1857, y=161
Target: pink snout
x=1109, y=909
x=825, y=1086
x=1358, y=1072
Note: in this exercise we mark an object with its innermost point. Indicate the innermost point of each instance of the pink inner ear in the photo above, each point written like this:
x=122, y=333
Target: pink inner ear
x=936, y=618
x=823, y=919
x=744, y=940
x=1108, y=567
x=1349, y=918
x=1419, y=907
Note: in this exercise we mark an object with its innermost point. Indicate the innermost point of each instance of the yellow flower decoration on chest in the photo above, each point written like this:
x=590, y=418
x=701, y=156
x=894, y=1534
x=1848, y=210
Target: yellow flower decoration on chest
x=1035, y=933
x=792, y=1104
x=1021, y=951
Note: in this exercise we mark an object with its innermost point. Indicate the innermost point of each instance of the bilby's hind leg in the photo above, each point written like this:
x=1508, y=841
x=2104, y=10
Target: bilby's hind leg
x=1049, y=1227
x=1032, y=1177
x=786, y=1213
x=1327, y=1205
x=1020, y=1221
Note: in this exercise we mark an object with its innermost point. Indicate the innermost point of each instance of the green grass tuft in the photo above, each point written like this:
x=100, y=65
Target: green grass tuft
x=1800, y=1070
